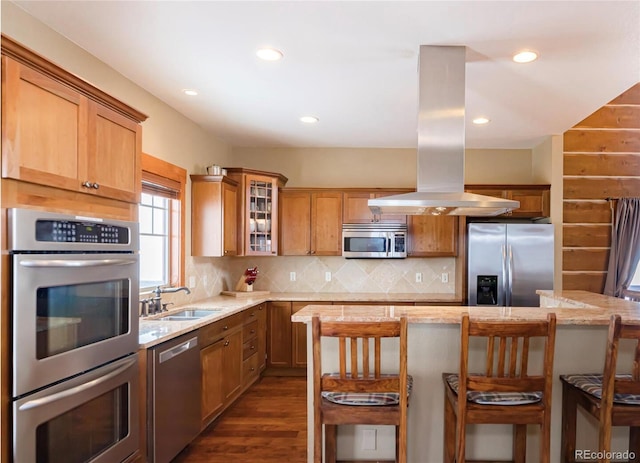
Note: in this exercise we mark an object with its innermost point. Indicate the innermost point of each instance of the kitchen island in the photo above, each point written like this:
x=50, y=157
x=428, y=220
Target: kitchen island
x=434, y=343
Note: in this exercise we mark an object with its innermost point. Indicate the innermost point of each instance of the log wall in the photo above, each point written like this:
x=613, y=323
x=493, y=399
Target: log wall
x=601, y=161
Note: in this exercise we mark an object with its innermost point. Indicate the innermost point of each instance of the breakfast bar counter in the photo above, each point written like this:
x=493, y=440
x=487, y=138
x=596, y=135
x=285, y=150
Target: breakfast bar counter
x=434, y=344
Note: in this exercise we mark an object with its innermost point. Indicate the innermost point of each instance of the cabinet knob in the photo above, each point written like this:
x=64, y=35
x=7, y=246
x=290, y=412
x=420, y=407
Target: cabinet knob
x=253, y=348
x=313, y=252
x=226, y=343
x=253, y=331
x=225, y=327
x=253, y=369
x=253, y=314
x=87, y=184
x=96, y=186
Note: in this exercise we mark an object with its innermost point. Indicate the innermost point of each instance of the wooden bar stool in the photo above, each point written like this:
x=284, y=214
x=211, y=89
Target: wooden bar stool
x=359, y=393
x=613, y=399
x=505, y=393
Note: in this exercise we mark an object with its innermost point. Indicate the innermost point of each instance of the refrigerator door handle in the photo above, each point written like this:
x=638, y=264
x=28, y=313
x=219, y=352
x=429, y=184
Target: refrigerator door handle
x=510, y=272
x=503, y=249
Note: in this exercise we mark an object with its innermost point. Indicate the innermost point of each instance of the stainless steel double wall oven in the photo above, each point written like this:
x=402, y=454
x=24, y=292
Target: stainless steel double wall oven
x=74, y=306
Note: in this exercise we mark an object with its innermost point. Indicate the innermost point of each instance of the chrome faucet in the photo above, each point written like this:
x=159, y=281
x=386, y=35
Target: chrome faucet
x=160, y=290
x=154, y=304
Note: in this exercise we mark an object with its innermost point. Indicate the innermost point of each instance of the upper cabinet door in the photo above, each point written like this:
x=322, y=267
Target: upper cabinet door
x=113, y=160
x=310, y=223
x=261, y=207
x=433, y=236
x=326, y=223
x=533, y=202
x=63, y=136
x=229, y=219
x=356, y=208
x=44, y=128
x=214, y=216
x=295, y=219
x=534, y=199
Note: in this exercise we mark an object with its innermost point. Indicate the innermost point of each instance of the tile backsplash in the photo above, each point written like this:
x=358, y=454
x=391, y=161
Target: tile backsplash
x=213, y=275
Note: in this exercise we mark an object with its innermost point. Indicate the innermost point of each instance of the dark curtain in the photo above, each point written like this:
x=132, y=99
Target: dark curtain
x=625, y=246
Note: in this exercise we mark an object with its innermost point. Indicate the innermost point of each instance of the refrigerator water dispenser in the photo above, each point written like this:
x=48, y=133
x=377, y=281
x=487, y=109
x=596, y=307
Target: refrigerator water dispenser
x=487, y=290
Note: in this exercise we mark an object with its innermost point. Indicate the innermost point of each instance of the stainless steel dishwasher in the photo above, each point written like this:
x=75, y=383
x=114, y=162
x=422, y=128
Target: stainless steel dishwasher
x=174, y=390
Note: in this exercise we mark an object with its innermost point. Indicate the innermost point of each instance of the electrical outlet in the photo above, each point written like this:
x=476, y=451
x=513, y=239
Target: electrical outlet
x=292, y=276
x=418, y=277
x=192, y=282
x=369, y=439
x=327, y=276
x=445, y=277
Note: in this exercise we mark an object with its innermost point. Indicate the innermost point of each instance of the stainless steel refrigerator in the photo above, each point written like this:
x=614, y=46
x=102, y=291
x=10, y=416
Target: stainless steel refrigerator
x=508, y=262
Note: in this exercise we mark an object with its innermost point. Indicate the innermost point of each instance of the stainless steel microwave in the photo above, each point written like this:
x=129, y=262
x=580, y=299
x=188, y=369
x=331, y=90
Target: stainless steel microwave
x=374, y=241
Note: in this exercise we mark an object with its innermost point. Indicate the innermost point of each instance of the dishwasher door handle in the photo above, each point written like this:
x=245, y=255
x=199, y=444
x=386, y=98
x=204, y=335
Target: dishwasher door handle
x=177, y=350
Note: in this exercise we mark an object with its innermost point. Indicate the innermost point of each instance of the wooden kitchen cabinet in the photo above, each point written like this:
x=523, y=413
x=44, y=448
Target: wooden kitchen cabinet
x=61, y=132
x=232, y=365
x=534, y=199
x=214, y=216
x=356, y=208
x=432, y=236
x=279, y=334
x=254, y=344
x=257, y=210
x=221, y=360
x=310, y=222
x=212, y=391
x=287, y=341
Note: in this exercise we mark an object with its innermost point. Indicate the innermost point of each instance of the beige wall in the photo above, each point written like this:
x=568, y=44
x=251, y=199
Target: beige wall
x=378, y=167
x=547, y=167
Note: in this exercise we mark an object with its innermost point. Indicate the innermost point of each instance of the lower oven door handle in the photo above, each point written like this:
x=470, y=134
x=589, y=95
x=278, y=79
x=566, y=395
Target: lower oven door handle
x=77, y=389
x=76, y=263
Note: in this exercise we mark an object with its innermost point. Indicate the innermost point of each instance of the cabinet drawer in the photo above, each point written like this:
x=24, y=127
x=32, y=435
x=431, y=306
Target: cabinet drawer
x=216, y=330
x=249, y=348
x=253, y=313
x=250, y=369
x=250, y=331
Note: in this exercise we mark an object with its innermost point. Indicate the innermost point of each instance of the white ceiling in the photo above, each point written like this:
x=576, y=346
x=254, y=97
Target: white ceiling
x=354, y=64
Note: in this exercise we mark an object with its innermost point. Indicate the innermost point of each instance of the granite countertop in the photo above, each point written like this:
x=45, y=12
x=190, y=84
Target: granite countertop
x=153, y=330
x=572, y=308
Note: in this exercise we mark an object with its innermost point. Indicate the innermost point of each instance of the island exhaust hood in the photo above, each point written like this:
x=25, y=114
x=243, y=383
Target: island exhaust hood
x=440, y=158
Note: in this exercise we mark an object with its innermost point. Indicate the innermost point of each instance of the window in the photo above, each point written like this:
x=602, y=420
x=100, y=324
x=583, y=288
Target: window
x=161, y=217
x=635, y=283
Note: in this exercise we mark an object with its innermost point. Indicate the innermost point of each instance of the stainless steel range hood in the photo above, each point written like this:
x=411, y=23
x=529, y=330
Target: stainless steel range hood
x=440, y=166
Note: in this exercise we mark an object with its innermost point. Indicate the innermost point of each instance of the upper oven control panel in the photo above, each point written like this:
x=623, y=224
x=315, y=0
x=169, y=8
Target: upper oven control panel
x=37, y=231
x=71, y=231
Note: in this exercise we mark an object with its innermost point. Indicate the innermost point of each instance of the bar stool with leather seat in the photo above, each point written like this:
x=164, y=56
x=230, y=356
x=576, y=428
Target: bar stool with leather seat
x=613, y=399
x=359, y=393
x=505, y=393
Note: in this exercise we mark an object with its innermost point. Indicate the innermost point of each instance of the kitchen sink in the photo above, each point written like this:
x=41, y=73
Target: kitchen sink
x=190, y=314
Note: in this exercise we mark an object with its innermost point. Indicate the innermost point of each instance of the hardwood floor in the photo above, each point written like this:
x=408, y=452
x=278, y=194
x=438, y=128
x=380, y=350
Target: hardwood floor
x=268, y=424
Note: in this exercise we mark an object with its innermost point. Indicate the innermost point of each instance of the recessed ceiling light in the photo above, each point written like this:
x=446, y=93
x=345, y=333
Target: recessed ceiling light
x=480, y=120
x=525, y=56
x=190, y=92
x=309, y=119
x=269, y=54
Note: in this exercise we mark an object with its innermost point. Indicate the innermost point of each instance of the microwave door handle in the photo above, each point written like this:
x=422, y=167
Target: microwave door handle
x=77, y=389
x=53, y=263
x=388, y=246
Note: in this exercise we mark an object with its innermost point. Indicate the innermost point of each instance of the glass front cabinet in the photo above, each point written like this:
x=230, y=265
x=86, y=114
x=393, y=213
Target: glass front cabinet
x=258, y=210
